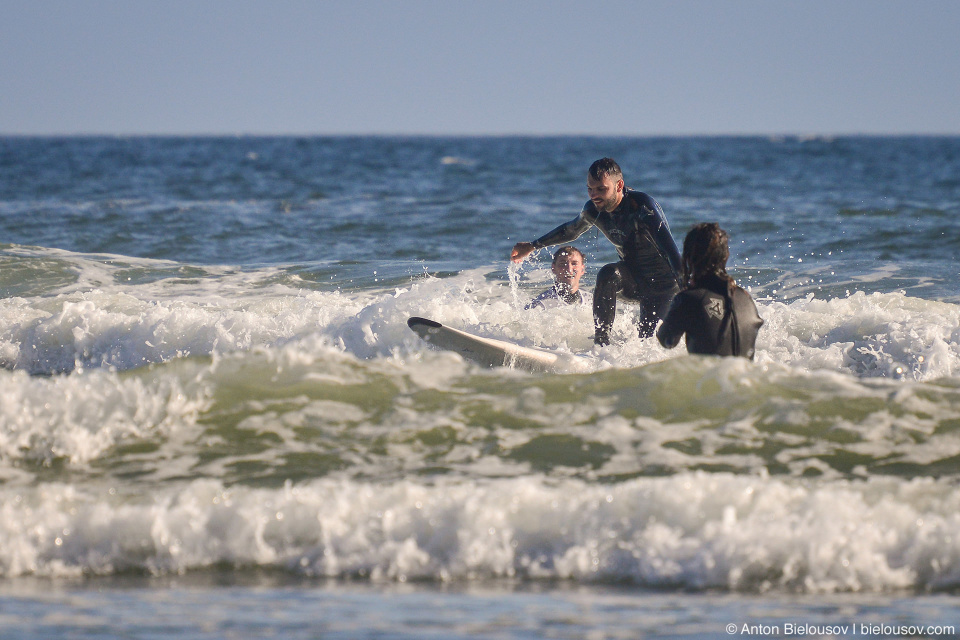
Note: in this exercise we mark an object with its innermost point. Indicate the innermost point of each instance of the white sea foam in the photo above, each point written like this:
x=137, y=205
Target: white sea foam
x=80, y=417
x=102, y=321
x=271, y=343
x=274, y=335
x=151, y=410
x=890, y=335
x=422, y=413
x=698, y=531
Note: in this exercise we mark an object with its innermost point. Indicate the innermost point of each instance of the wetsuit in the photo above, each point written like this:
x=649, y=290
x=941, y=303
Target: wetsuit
x=553, y=298
x=649, y=266
x=712, y=324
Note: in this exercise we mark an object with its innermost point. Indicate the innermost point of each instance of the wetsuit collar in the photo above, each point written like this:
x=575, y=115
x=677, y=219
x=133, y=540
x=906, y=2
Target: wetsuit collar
x=563, y=293
x=713, y=282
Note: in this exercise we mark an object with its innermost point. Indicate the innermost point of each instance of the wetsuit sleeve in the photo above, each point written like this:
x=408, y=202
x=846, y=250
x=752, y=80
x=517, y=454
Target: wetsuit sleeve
x=669, y=249
x=674, y=324
x=566, y=232
x=664, y=239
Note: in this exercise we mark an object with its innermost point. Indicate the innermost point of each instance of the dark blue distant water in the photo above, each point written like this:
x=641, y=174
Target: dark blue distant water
x=462, y=202
x=213, y=413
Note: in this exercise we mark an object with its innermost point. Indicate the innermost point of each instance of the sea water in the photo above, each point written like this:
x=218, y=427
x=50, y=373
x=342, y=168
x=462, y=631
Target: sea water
x=214, y=421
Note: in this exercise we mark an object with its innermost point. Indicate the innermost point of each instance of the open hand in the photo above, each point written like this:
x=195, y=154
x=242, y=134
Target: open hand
x=521, y=250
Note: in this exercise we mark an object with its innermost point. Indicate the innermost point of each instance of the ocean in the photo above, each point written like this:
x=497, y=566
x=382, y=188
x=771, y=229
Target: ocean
x=215, y=422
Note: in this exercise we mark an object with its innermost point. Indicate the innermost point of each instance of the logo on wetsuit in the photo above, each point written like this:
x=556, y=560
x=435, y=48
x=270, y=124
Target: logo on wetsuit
x=714, y=308
x=617, y=236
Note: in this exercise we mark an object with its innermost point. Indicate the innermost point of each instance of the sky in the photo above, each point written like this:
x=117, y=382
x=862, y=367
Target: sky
x=479, y=67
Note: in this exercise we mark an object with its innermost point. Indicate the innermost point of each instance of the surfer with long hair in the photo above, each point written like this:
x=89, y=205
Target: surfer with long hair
x=716, y=316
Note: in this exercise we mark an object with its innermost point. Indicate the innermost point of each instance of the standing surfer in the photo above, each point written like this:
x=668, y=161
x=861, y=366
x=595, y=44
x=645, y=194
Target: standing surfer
x=649, y=265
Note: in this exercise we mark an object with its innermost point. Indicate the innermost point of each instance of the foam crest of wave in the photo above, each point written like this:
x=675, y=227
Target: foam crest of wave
x=696, y=531
x=873, y=335
x=79, y=418
x=125, y=313
x=307, y=408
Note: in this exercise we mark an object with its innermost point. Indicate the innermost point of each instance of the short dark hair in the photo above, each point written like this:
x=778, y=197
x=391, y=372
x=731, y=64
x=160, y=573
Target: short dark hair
x=705, y=252
x=605, y=167
x=569, y=249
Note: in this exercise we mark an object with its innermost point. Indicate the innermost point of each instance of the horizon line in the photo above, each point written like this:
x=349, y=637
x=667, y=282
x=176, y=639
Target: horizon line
x=792, y=135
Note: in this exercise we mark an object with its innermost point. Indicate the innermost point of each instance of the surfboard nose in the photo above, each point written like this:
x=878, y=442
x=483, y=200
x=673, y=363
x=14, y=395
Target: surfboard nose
x=414, y=321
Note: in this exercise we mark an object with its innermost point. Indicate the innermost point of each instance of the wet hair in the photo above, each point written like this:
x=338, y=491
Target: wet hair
x=705, y=252
x=605, y=167
x=568, y=250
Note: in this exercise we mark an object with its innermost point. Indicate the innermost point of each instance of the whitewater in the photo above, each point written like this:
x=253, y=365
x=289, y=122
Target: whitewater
x=207, y=387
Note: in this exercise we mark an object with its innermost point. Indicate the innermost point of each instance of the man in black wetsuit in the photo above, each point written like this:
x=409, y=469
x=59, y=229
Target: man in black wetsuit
x=649, y=266
x=717, y=317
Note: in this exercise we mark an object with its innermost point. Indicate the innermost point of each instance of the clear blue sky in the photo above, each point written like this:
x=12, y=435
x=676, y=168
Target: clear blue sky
x=479, y=67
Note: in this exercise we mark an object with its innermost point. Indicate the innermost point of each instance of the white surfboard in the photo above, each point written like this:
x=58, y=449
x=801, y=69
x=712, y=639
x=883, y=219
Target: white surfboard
x=490, y=352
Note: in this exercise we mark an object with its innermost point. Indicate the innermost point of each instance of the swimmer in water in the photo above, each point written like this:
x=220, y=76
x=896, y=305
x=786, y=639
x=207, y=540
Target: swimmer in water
x=568, y=267
x=649, y=268
x=716, y=316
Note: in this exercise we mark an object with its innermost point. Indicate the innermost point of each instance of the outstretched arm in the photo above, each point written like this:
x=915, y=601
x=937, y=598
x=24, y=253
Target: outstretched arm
x=564, y=233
